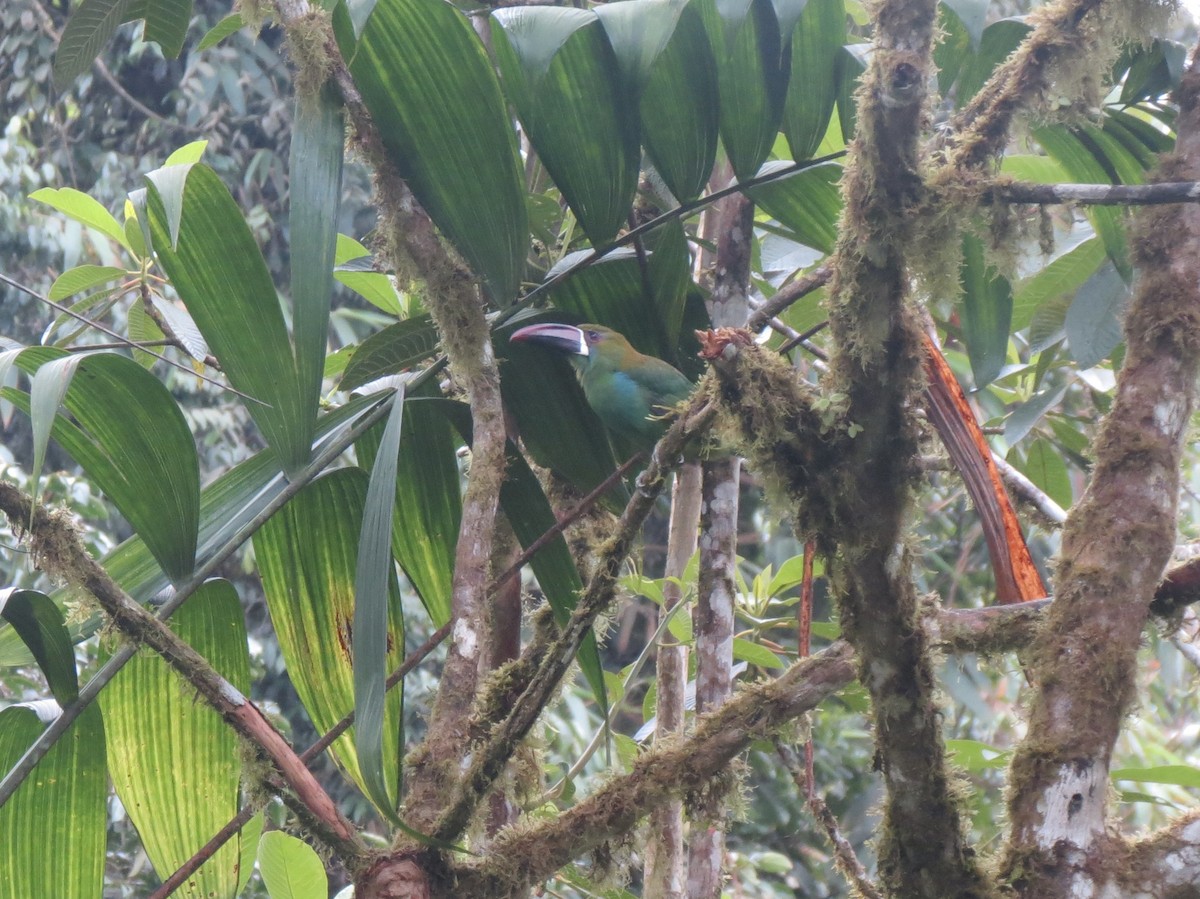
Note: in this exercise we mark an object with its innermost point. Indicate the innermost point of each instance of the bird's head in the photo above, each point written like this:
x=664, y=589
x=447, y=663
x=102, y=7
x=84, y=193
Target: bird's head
x=582, y=342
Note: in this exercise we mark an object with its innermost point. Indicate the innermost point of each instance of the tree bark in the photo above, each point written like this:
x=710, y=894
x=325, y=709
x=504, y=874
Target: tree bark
x=1116, y=543
x=665, y=861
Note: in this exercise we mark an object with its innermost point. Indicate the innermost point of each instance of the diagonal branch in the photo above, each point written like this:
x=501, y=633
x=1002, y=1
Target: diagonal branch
x=56, y=542
x=980, y=130
x=523, y=857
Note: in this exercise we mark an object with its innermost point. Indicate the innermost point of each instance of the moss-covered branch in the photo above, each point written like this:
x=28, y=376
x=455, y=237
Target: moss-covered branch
x=55, y=543
x=1116, y=543
x=876, y=367
x=523, y=857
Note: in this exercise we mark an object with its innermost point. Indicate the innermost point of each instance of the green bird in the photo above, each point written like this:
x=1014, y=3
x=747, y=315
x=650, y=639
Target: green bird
x=630, y=391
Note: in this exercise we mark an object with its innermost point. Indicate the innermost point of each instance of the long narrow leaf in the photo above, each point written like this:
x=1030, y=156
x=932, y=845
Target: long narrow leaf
x=679, y=109
x=316, y=187
x=373, y=574
x=812, y=87
x=39, y=622
x=987, y=312
x=428, y=507
x=752, y=72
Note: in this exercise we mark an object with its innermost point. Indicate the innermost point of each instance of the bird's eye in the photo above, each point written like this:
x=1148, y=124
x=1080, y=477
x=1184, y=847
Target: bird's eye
x=593, y=336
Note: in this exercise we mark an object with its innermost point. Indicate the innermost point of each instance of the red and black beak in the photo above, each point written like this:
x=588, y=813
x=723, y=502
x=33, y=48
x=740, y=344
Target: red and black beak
x=564, y=338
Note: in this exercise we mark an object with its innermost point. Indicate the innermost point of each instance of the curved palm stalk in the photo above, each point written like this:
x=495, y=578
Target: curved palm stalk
x=1017, y=578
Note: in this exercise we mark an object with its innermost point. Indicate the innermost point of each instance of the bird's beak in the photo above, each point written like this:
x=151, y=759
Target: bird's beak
x=564, y=338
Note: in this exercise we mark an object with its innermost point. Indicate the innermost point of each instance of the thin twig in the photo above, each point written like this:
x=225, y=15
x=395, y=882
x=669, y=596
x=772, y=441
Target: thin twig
x=584, y=506
x=843, y=853
x=120, y=338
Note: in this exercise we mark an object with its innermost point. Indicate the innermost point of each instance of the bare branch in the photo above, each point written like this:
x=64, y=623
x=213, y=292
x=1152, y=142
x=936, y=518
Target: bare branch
x=1096, y=194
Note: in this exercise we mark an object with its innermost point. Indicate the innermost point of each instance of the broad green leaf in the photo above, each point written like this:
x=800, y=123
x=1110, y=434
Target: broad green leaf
x=52, y=830
x=46, y=394
x=638, y=32
x=391, y=351
x=1064, y=275
x=373, y=574
x=174, y=762
x=416, y=60
x=231, y=24
x=972, y=14
x=1124, y=164
x=142, y=328
x=1175, y=775
x=290, y=868
x=679, y=109
x=1154, y=69
x=87, y=31
x=1025, y=416
x=39, y=622
x=218, y=271
x=1132, y=146
x=573, y=109
x=136, y=444
x=1082, y=166
x=1046, y=326
x=81, y=278
x=428, y=503
x=166, y=23
x=315, y=164
x=998, y=41
x=975, y=756
x=354, y=268
x=1038, y=169
x=748, y=651
x=1045, y=466
x=952, y=49
x=169, y=182
x=752, y=73
x=808, y=203
x=307, y=554
x=1093, y=323
x=812, y=87
x=987, y=312
x=228, y=504
x=1125, y=123
x=78, y=205
x=190, y=152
